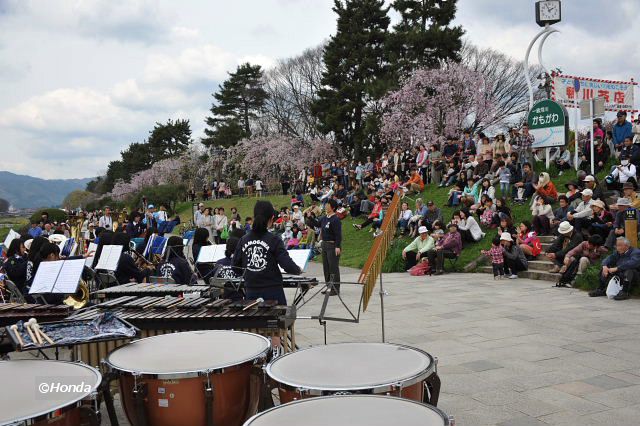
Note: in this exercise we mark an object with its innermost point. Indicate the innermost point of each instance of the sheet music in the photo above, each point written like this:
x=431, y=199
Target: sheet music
x=92, y=248
x=46, y=277
x=89, y=261
x=211, y=254
x=67, y=247
x=69, y=276
x=10, y=237
x=299, y=257
x=145, y=253
x=109, y=258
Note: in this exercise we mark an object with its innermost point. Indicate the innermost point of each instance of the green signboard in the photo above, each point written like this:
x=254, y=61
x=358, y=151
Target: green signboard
x=549, y=124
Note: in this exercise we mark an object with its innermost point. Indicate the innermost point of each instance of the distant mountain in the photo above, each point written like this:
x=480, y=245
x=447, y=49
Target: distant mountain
x=30, y=192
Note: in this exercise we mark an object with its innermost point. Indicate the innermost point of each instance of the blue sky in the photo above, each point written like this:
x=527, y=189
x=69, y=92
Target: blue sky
x=81, y=79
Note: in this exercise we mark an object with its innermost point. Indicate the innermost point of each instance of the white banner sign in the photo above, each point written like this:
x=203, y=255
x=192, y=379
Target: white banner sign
x=618, y=95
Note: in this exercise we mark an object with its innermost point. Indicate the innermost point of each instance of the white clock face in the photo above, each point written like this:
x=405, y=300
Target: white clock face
x=550, y=11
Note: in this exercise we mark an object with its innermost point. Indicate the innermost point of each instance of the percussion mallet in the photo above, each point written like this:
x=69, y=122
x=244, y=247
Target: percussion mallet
x=44, y=335
x=32, y=324
x=14, y=327
x=251, y=305
x=40, y=333
x=33, y=338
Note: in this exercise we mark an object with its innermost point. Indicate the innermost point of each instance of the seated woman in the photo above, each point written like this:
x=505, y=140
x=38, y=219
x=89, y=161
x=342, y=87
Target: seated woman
x=506, y=225
x=601, y=221
x=488, y=213
x=404, y=218
x=528, y=241
x=546, y=189
x=177, y=267
x=573, y=193
x=542, y=216
x=374, y=215
x=452, y=174
x=471, y=193
x=16, y=264
x=468, y=227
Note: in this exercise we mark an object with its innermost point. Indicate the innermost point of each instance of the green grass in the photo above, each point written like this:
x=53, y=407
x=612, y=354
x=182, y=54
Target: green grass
x=17, y=223
x=356, y=244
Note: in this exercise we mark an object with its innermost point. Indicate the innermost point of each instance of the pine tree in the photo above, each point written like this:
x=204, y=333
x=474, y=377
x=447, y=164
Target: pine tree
x=170, y=139
x=355, y=73
x=424, y=37
x=237, y=101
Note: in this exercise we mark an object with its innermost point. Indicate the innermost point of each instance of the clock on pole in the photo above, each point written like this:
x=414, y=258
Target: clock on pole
x=548, y=12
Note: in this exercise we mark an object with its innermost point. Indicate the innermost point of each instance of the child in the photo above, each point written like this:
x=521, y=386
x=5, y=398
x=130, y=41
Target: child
x=296, y=236
x=497, y=259
x=287, y=235
x=454, y=195
x=247, y=224
x=504, y=174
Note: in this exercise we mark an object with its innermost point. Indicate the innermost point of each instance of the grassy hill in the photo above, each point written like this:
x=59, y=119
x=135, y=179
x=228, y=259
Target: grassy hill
x=30, y=192
x=357, y=243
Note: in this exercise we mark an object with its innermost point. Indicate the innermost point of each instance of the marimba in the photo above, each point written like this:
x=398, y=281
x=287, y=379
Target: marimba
x=151, y=289
x=162, y=315
x=11, y=313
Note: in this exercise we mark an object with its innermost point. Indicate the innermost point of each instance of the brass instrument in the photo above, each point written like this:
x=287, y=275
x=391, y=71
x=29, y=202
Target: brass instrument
x=122, y=218
x=78, y=235
x=80, y=298
x=143, y=263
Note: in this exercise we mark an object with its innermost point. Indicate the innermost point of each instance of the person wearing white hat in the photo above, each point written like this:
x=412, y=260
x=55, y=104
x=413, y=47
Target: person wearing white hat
x=591, y=183
x=581, y=216
x=568, y=239
x=418, y=248
x=514, y=258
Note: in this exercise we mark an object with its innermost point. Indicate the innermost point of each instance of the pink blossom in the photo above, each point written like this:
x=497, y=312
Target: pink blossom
x=435, y=103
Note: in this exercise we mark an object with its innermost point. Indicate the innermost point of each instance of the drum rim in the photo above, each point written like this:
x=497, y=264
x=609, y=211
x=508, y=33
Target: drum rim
x=381, y=387
x=189, y=373
x=442, y=414
x=65, y=404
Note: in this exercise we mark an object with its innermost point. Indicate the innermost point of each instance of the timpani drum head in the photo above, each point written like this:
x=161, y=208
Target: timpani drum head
x=351, y=410
x=32, y=388
x=188, y=353
x=351, y=366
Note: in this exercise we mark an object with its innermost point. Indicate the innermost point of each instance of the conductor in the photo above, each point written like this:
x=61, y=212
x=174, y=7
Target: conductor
x=259, y=253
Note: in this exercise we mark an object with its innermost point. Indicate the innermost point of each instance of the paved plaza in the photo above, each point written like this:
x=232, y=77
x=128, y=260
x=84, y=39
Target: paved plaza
x=511, y=353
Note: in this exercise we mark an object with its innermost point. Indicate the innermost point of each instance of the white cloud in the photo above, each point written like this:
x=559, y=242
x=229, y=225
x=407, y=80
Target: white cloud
x=203, y=63
x=184, y=33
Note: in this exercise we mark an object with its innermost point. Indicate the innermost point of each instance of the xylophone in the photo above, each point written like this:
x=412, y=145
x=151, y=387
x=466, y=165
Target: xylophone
x=150, y=289
x=11, y=313
x=162, y=315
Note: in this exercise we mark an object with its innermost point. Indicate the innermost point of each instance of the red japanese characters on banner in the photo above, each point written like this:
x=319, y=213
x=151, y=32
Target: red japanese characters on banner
x=618, y=95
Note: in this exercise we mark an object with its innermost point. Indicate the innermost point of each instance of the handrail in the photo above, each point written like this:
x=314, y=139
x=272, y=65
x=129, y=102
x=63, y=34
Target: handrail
x=378, y=253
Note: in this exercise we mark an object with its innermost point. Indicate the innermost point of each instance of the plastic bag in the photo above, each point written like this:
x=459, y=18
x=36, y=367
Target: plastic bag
x=422, y=268
x=614, y=287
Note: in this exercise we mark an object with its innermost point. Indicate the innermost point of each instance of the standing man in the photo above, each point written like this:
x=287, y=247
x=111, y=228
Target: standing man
x=525, y=144
x=621, y=130
x=331, y=237
x=106, y=221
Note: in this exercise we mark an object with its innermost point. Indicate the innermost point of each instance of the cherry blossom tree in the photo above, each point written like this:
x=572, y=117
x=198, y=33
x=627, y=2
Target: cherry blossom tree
x=434, y=103
x=270, y=155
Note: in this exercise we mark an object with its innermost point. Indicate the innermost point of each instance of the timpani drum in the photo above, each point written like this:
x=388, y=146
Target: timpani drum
x=352, y=410
x=356, y=368
x=40, y=392
x=195, y=378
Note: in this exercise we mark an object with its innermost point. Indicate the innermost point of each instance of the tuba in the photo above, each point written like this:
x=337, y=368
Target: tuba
x=80, y=298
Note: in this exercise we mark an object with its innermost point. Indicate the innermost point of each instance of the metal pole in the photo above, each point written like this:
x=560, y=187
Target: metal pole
x=382, y=294
x=593, y=169
x=548, y=31
x=526, y=65
x=577, y=114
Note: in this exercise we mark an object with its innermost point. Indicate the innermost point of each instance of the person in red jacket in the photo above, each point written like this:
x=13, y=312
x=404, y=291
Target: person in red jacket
x=546, y=189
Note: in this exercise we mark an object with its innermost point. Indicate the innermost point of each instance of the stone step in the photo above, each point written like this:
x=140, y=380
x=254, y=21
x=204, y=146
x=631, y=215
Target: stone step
x=531, y=274
x=546, y=239
x=540, y=264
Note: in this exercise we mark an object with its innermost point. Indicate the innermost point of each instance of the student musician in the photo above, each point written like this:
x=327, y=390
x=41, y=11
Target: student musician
x=226, y=270
x=127, y=270
x=201, y=239
x=33, y=260
x=259, y=253
x=16, y=264
x=177, y=267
